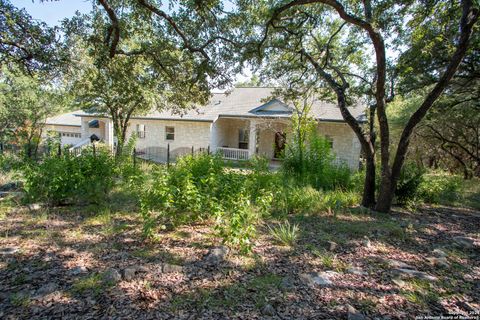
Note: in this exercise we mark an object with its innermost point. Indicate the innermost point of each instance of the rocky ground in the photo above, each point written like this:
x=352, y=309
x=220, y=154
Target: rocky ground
x=86, y=263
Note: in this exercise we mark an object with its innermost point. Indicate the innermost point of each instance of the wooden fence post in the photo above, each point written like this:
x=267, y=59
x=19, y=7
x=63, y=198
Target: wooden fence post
x=208, y=149
x=192, y=151
x=168, y=155
x=59, y=152
x=94, y=151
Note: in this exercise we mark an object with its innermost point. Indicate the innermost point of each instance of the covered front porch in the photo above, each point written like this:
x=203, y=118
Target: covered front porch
x=237, y=138
x=102, y=128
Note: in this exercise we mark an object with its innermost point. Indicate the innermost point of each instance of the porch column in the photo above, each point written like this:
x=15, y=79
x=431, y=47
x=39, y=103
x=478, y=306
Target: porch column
x=84, y=129
x=109, y=132
x=213, y=137
x=252, y=138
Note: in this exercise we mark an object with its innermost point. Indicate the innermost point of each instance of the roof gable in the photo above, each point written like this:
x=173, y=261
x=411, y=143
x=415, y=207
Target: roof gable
x=273, y=106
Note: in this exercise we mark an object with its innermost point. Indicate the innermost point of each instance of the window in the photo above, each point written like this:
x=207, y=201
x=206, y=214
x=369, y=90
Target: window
x=169, y=133
x=243, y=138
x=141, y=131
x=69, y=134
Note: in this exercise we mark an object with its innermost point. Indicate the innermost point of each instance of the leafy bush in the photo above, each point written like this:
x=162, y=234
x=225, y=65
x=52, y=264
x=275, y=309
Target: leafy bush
x=10, y=162
x=411, y=176
x=58, y=180
x=307, y=200
x=438, y=187
x=285, y=233
x=236, y=226
x=309, y=159
x=416, y=186
x=200, y=188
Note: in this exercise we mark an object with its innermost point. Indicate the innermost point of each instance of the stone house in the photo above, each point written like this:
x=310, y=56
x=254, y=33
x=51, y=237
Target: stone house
x=238, y=125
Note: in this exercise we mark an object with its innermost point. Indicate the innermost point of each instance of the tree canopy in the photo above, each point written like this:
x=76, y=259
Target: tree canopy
x=363, y=51
x=26, y=43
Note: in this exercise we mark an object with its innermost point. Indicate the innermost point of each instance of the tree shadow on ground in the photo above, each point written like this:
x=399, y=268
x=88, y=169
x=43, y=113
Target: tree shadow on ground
x=266, y=285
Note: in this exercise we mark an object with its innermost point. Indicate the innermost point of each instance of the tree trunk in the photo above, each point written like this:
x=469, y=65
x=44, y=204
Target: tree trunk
x=390, y=176
x=386, y=193
x=368, y=197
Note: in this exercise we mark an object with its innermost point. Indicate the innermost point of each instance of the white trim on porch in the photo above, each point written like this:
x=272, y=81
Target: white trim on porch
x=233, y=153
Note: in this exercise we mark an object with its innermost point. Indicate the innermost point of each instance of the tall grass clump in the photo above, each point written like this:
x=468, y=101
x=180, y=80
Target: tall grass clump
x=285, y=233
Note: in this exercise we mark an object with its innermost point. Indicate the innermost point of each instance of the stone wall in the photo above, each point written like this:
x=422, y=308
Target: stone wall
x=187, y=134
x=345, y=143
x=67, y=133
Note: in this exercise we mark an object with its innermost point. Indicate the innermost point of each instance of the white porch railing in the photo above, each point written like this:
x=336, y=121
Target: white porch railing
x=233, y=153
x=77, y=149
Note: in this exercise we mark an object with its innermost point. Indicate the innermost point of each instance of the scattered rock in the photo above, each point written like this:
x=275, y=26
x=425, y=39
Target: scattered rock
x=287, y=283
x=268, y=310
x=367, y=243
x=10, y=186
x=142, y=269
x=5, y=194
x=399, y=264
x=216, y=255
x=465, y=242
x=315, y=278
x=129, y=273
x=78, y=270
x=47, y=289
x=468, y=306
x=399, y=282
x=332, y=246
x=112, y=276
x=8, y=251
x=171, y=268
x=409, y=273
x=34, y=206
x=357, y=271
x=353, y=314
x=439, y=253
x=438, y=262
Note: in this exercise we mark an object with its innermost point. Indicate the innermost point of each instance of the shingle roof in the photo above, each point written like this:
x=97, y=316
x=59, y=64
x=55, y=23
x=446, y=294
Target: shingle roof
x=66, y=119
x=249, y=102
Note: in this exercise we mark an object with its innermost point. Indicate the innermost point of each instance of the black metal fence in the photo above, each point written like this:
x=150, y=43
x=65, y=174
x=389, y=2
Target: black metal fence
x=33, y=152
x=163, y=155
x=167, y=154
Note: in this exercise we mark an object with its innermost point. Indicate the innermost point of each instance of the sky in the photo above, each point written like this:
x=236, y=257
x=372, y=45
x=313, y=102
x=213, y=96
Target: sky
x=52, y=12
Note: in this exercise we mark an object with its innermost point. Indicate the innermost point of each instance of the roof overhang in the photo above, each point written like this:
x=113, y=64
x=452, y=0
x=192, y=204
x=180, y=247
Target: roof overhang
x=63, y=125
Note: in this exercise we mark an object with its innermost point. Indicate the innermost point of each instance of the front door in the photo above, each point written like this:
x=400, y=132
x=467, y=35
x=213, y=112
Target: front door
x=280, y=140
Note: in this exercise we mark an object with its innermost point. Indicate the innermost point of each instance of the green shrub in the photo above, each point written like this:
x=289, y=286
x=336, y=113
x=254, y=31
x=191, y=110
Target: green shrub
x=309, y=159
x=438, y=187
x=236, y=226
x=411, y=176
x=416, y=186
x=10, y=162
x=307, y=200
x=295, y=200
x=59, y=180
x=199, y=188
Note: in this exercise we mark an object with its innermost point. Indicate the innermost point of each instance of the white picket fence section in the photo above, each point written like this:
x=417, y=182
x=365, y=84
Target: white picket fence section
x=233, y=153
